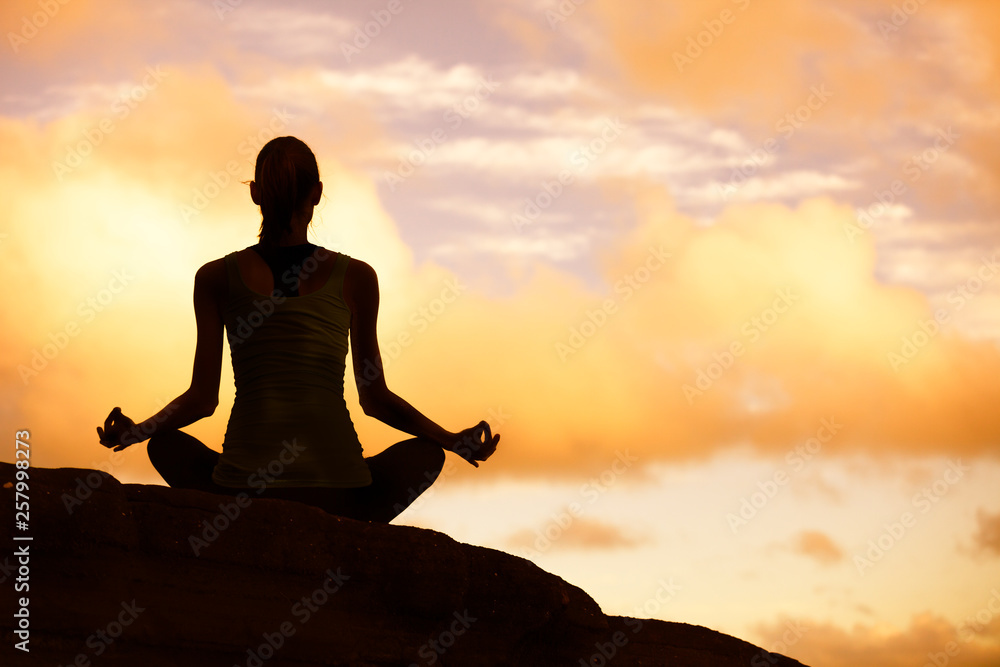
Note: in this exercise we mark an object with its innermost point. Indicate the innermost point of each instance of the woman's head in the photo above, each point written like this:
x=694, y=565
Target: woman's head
x=285, y=179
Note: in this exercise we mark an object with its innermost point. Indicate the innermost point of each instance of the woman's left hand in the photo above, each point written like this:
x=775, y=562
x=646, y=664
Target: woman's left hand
x=117, y=431
x=476, y=443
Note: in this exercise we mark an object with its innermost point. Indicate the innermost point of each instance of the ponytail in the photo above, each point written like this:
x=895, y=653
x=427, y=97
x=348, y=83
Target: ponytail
x=286, y=172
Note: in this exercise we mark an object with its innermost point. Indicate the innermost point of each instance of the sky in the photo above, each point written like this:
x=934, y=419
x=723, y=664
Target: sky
x=721, y=274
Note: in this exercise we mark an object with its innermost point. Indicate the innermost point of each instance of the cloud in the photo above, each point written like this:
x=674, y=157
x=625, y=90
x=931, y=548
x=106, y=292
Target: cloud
x=927, y=638
x=987, y=537
x=709, y=56
x=50, y=35
x=686, y=51
x=942, y=60
x=287, y=31
x=653, y=342
x=817, y=545
x=584, y=533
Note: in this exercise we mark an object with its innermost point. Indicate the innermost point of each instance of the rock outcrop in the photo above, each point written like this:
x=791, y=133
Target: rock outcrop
x=143, y=576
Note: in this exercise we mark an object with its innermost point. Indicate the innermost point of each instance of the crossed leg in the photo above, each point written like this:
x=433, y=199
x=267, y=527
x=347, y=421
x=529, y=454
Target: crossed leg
x=399, y=475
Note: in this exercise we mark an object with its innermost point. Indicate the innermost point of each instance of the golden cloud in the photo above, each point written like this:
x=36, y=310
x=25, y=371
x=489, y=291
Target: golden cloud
x=583, y=533
x=819, y=546
x=49, y=33
x=969, y=643
x=987, y=536
x=885, y=64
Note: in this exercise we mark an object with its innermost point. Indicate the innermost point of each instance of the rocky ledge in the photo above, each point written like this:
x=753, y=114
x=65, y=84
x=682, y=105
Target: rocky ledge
x=142, y=575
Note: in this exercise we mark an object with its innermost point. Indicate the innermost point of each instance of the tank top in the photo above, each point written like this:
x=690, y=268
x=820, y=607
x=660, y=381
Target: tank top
x=289, y=425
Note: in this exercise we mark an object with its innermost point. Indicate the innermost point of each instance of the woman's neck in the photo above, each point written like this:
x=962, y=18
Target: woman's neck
x=295, y=238
x=283, y=244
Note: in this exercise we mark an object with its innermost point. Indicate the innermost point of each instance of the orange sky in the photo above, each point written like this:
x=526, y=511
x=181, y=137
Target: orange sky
x=698, y=289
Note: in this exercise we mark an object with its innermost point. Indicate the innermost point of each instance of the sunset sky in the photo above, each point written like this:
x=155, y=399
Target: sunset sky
x=727, y=276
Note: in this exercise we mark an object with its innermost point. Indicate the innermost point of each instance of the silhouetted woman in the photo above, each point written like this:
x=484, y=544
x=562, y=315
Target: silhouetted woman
x=288, y=307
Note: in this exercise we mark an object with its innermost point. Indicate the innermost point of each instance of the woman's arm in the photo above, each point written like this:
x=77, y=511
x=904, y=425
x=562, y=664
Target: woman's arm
x=377, y=400
x=202, y=397
x=362, y=297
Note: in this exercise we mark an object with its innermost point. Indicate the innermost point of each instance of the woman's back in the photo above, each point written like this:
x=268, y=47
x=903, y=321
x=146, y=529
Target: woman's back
x=318, y=264
x=289, y=355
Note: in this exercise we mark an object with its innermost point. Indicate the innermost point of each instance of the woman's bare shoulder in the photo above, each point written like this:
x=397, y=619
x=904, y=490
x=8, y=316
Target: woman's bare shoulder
x=213, y=278
x=359, y=271
x=213, y=271
x=360, y=285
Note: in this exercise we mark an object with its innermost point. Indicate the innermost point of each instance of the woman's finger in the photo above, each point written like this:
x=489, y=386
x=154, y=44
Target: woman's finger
x=109, y=422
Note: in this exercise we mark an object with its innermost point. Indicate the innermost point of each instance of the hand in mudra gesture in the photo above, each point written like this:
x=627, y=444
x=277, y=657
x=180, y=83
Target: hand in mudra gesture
x=476, y=443
x=117, y=431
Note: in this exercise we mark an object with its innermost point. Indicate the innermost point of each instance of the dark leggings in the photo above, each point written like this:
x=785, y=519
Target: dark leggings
x=399, y=475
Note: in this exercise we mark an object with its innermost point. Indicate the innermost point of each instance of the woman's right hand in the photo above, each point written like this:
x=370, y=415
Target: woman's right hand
x=476, y=443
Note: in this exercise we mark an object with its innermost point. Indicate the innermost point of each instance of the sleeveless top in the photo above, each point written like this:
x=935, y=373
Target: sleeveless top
x=289, y=425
